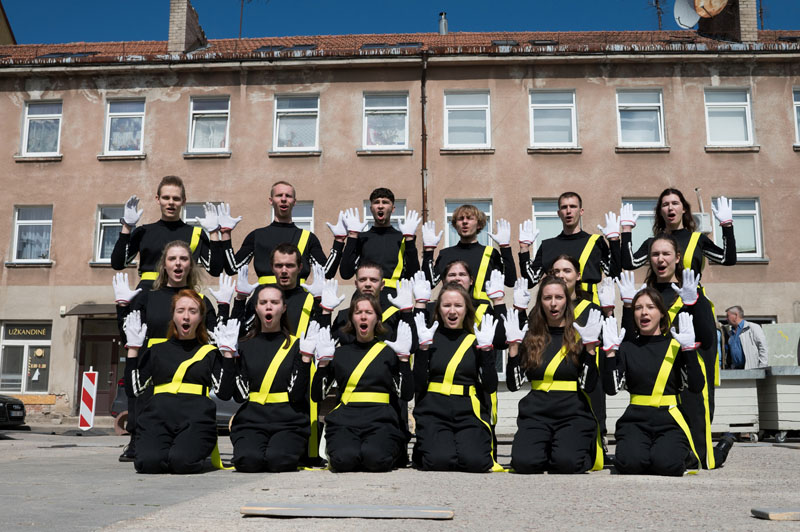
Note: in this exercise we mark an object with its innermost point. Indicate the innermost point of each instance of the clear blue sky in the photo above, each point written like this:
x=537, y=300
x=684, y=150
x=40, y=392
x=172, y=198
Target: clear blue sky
x=53, y=21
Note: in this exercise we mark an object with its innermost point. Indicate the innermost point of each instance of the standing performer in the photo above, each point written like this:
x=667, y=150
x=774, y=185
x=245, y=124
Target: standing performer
x=364, y=431
x=557, y=431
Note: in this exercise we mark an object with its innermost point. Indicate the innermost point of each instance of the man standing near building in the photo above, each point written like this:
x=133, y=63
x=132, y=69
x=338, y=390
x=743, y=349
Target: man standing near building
x=747, y=345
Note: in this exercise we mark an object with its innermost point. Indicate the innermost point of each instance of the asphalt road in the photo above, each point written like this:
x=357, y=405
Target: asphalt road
x=66, y=482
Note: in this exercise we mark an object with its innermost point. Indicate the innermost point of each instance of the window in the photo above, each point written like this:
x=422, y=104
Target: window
x=797, y=116
x=646, y=209
x=385, y=121
x=124, y=126
x=728, y=120
x=398, y=216
x=302, y=215
x=108, y=228
x=296, y=123
x=209, y=127
x=32, y=227
x=553, y=119
x=747, y=224
x=484, y=206
x=640, y=118
x=193, y=211
x=466, y=120
x=42, y=134
x=25, y=357
x=545, y=215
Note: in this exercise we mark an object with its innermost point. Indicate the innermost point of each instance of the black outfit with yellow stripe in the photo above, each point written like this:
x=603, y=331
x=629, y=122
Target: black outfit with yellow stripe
x=301, y=308
x=699, y=245
x=482, y=260
x=385, y=246
x=270, y=431
x=364, y=431
x=556, y=430
x=598, y=394
x=177, y=429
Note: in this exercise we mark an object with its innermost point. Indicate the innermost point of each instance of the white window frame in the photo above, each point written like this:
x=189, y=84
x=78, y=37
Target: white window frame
x=796, y=115
x=573, y=118
x=110, y=115
x=472, y=201
x=307, y=111
x=26, y=354
x=748, y=115
x=659, y=107
x=26, y=128
x=397, y=217
x=101, y=224
x=18, y=223
x=646, y=217
x=757, y=227
x=303, y=222
x=538, y=215
x=378, y=110
x=211, y=113
x=488, y=113
x=192, y=220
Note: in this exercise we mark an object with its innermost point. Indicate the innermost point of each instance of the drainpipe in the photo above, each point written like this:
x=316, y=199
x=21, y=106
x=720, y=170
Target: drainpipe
x=424, y=169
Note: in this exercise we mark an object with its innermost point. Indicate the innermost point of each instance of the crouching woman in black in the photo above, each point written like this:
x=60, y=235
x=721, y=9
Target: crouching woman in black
x=177, y=429
x=556, y=430
x=364, y=432
x=652, y=435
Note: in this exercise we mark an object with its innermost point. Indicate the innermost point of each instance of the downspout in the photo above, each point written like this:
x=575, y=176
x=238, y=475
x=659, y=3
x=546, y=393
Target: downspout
x=424, y=169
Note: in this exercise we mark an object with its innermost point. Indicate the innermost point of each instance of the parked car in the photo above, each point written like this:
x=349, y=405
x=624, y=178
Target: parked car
x=12, y=412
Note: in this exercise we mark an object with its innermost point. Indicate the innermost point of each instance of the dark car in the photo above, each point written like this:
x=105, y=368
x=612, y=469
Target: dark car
x=12, y=412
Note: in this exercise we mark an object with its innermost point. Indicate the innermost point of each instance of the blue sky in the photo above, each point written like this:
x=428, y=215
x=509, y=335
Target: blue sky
x=48, y=21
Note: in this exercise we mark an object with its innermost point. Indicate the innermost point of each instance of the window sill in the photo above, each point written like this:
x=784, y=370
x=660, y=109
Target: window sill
x=466, y=151
x=131, y=157
x=43, y=264
x=95, y=264
x=555, y=149
x=752, y=260
x=641, y=149
x=212, y=155
x=796, y=147
x=369, y=153
x=733, y=149
x=309, y=153
x=37, y=158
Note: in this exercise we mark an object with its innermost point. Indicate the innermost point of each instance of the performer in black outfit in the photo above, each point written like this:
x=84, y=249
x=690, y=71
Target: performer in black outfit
x=177, y=429
x=364, y=431
x=557, y=431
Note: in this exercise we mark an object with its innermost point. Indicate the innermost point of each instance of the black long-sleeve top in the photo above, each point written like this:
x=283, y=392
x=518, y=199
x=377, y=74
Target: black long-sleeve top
x=703, y=318
x=472, y=254
x=604, y=257
x=496, y=311
x=385, y=374
x=244, y=310
x=380, y=245
x=258, y=246
x=705, y=249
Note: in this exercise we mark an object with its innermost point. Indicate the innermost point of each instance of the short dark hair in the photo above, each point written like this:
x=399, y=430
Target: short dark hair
x=370, y=264
x=381, y=192
x=570, y=195
x=276, y=183
x=286, y=248
x=172, y=180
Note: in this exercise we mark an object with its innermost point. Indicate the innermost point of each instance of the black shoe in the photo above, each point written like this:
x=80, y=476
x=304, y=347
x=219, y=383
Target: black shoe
x=128, y=454
x=723, y=447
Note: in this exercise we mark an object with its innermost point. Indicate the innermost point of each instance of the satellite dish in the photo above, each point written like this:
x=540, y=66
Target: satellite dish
x=709, y=8
x=685, y=15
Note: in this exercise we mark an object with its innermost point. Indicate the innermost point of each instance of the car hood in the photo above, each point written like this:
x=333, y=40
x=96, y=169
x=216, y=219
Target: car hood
x=9, y=399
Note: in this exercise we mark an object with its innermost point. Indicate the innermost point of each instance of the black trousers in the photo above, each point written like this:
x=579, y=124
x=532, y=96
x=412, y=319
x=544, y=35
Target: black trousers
x=649, y=441
x=256, y=450
x=562, y=446
x=364, y=438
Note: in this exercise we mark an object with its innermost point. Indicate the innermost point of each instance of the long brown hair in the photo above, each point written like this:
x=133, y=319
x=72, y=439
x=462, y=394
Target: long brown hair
x=660, y=224
x=193, y=275
x=200, y=333
x=469, y=317
x=284, y=322
x=538, y=336
x=658, y=301
x=652, y=278
x=348, y=328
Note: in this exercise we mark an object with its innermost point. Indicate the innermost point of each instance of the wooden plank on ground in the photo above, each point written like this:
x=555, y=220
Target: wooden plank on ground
x=777, y=514
x=363, y=511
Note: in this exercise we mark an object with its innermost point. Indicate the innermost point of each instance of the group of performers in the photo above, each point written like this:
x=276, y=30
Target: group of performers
x=279, y=349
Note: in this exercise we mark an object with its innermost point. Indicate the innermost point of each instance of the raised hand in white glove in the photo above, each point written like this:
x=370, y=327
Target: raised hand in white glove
x=210, y=219
x=226, y=221
x=612, y=336
x=131, y=214
x=326, y=347
x=405, y=295
x=514, y=333
x=122, y=293
x=606, y=292
x=424, y=333
x=317, y=283
x=226, y=335
x=308, y=340
x=688, y=289
x=484, y=334
x=330, y=298
x=627, y=287
x=409, y=226
x=627, y=218
x=723, y=212
x=503, y=234
x=522, y=296
x=429, y=237
x=590, y=333
x=135, y=330
x=225, y=292
x=494, y=286
x=421, y=287
x=352, y=221
x=611, y=229
x=402, y=343
x=338, y=229
x=686, y=335
x=243, y=286
x=528, y=232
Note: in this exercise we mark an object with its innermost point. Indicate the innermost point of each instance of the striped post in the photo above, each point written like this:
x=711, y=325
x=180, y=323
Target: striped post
x=88, y=394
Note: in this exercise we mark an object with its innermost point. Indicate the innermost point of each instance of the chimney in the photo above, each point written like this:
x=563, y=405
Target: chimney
x=442, y=23
x=737, y=22
x=185, y=33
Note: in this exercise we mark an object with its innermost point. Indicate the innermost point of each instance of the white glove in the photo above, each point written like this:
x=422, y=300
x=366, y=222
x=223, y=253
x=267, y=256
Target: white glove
x=122, y=292
x=514, y=333
x=308, y=340
x=339, y=228
x=243, y=286
x=612, y=336
x=606, y=292
x=611, y=229
x=402, y=344
x=723, y=211
x=528, y=232
x=226, y=335
x=522, y=296
x=352, y=221
x=325, y=347
x=317, y=281
x=225, y=292
x=688, y=289
x=590, y=333
x=429, y=237
x=409, y=227
x=210, y=220
x=135, y=330
x=226, y=221
x=686, y=336
x=330, y=299
x=503, y=234
x=494, y=286
x=421, y=287
x=627, y=218
x=405, y=295
x=627, y=288
x=131, y=213
x=484, y=335
x=424, y=333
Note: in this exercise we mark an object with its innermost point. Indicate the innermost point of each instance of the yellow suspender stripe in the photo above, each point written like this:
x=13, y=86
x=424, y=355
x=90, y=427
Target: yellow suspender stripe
x=458, y=356
x=263, y=396
x=305, y=317
x=177, y=378
x=483, y=269
x=352, y=382
x=550, y=370
x=398, y=270
x=153, y=341
x=663, y=373
x=388, y=313
x=678, y=417
x=587, y=251
x=689, y=253
x=196, y=232
x=580, y=307
x=598, y=456
x=710, y=462
x=716, y=360
x=301, y=244
x=674, y=309
x=480, y=312
x=148, y=276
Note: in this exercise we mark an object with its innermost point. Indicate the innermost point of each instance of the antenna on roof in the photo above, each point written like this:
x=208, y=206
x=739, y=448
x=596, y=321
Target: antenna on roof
x=659, y=11
x=685, y=15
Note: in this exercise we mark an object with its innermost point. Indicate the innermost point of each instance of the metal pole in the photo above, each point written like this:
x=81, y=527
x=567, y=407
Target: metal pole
x=424, y=169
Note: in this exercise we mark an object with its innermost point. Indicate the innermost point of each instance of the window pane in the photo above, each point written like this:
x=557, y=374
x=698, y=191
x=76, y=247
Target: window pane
x=38, y=368
x=639, y=126
x=796, y=96
x=126, y=107
x=467, y=99
x=552, y=125
x=43, y=136
x=548, y=227
x=303, y=209
x=386, y=129
x=11, y=368
x=727, y=125
x=797, y=119
x=35, y=213
x=298, y=102
x=125, y=134
x=297, y=131
x=642, y=206
x=745, y=233
x=210, y=105
x=194, y=210
x=643, y=229
x=550, y=98
x=111, y=213
x=545, y=206
x=466, y=127
x=726, y=96
x=108, y=238
x=33, y=242
x=639, y=97
x=209, y=132
x=374, y=100
x=44, y=108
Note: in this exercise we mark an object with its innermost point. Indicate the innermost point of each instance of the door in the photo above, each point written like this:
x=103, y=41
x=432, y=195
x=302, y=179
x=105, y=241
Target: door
x=101, y=353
